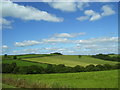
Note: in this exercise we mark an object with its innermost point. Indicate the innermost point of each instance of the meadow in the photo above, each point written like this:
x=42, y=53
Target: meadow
x=100, y=79
x=70, y=60
x=7, y=86
x=23, y=63
x=93, y=79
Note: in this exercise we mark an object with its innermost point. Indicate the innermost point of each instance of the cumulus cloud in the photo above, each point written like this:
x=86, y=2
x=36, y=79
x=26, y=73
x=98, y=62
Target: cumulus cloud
x=82, y=18
x=88, y=46
x=82, y=5
x=97, y=45
x=63, y=6
x=98, y=40
x=68, y=35
x=26, y=43
x=107, y=10
x=27, y=51
x=56, y=40
x=4, y=47
x=4, y=23
x=92, y=15
x=26, y=12
x=70, y=6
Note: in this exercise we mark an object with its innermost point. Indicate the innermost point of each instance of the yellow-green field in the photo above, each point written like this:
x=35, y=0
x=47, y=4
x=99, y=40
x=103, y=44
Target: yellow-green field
x=100, y=79
x=70, y=60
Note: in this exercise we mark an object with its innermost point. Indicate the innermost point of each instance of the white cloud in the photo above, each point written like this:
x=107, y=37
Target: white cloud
x=92, y=15
x=96, y=16
x=98, y=40
x=27, y=51
x=26, y=43
x=68, y=35
x=4, y=47
x=70, y=6
x=56, y=40
x=82, y=5
x=4, y=23
x=107, y=10
x=88, y=46
x=64, y=6
x=89, y=12
x=26, y=12
x=82, y=18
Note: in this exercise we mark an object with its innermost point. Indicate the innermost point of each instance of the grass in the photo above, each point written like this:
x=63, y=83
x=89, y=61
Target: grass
x=70, y=60
x=23, y=63
x=100, y=79
x=7, y=86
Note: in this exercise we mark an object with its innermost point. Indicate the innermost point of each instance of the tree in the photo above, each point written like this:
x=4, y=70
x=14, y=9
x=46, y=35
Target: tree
x=5, y=56
x=79, y=56
x=99, y=67
x=14, y=57
x=78, y=68
x=90, y=67
x=107, y=67
x=49, y=68
x=57, y=53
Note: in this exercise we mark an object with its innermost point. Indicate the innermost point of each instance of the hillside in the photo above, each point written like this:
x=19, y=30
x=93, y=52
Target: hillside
x=70, y=60
x=101, y=79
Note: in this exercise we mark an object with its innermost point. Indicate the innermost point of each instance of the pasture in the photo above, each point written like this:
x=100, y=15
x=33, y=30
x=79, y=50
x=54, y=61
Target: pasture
x=7, y=86
x=100, y=79
x=23, y=63
x=70, y=60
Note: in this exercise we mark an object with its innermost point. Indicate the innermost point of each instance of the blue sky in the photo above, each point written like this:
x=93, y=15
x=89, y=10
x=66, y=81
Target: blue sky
x=68, y=27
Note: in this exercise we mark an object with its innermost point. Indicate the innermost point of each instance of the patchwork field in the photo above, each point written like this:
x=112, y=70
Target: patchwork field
x=23, y=63
x=101, y=79
x=70, y=60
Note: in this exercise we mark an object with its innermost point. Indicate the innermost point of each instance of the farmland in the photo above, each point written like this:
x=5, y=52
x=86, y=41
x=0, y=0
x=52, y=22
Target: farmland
x=23, y=63
x=93, y=79
x=70, y=60
x=101, y=79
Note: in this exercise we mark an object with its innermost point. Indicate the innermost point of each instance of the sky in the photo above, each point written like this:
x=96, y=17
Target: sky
x=71, y=28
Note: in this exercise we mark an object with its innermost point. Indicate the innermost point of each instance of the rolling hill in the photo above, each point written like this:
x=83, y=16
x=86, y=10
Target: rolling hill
x=70, y=60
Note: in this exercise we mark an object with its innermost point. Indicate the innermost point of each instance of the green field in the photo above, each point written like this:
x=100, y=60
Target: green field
x=70, y=60
x=23, y=63
x=7, y=86
x=100, y=79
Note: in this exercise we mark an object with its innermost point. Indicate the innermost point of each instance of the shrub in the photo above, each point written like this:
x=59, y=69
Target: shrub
x=90, y=67
x=78, y=68
x=14, y=57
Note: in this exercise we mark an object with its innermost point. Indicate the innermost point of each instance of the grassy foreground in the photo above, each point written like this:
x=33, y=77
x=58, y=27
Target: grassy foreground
x=70, y=60
x=7, y=86
x=100, y=79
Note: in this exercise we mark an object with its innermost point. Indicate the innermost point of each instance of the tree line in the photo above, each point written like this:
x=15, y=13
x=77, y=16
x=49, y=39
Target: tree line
x=61, y=68
x=107, y=57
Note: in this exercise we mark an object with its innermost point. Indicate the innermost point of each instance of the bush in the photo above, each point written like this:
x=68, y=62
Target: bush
x=8, y=68
x=99, y=67
x=5, y=56
x=49, y=69
x=90, y=67
x=79, y=56
x=14, y=57
x=61, y=68
x=78, y=68
x=107, y=57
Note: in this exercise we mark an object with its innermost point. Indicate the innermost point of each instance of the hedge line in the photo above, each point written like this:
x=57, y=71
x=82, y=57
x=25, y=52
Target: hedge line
x=61, y=68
